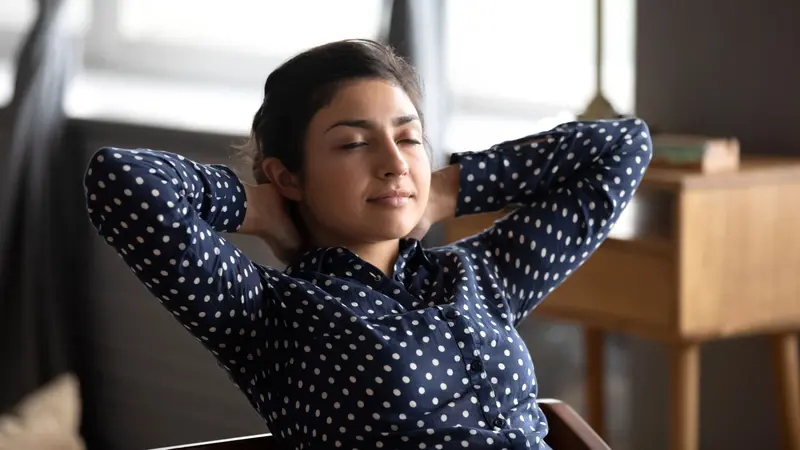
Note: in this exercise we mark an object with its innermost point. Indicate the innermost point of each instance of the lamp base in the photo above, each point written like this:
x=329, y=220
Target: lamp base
x=599, y=109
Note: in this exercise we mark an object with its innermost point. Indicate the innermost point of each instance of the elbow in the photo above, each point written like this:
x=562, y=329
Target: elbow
x=100, y=166
x=110, y=172
x=646, y=144
x=638, y=137
x=98, y=183
x=95, y=178
x=637, y=127
x=91, y=187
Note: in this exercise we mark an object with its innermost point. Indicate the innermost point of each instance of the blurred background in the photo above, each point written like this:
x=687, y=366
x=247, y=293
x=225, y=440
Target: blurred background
x=187, y=76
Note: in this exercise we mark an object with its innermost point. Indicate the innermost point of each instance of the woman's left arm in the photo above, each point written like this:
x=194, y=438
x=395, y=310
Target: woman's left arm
x=571, y=184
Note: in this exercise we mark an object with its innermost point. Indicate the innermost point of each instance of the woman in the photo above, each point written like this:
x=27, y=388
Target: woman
x=367, y=340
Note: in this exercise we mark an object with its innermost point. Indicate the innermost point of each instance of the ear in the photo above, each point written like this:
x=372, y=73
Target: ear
x=287, y=183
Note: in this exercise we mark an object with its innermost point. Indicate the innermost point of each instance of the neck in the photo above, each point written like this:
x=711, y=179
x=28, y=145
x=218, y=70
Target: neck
x=381, y=254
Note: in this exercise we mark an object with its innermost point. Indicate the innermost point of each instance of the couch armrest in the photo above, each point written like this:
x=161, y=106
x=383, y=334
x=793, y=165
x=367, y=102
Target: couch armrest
x=568, y=430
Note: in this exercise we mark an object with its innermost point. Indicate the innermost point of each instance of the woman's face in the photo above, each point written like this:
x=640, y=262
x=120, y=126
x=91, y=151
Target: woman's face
x=367, y=173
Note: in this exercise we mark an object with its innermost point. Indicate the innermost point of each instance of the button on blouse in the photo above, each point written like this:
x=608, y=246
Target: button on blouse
x=332, y=353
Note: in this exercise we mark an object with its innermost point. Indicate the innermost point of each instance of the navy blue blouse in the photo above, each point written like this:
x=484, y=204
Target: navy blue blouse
x=333, y=353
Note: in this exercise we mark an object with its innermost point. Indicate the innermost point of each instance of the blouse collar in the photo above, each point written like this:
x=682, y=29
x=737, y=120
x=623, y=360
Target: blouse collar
x=343, y=263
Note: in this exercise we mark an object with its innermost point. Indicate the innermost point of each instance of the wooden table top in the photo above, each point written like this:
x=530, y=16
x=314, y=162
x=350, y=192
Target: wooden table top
x=753, y=170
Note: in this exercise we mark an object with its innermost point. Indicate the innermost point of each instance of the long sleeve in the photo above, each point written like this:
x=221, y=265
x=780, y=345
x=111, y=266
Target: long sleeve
x=571, y=184
x=162, y=213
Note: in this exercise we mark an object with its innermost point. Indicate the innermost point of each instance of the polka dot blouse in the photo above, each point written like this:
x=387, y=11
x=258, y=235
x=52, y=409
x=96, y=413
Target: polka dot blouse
x=333, y=353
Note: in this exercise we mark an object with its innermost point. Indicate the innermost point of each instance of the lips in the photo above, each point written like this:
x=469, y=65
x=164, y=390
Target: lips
x=394, y=193
x=393, y=198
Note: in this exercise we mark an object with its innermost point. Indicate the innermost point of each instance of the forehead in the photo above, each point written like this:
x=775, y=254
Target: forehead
x=374, y=100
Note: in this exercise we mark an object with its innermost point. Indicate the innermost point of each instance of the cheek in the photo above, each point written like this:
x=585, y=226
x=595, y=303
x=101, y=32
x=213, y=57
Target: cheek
x=330, y=194
x=421, y=172
x=329, y=166
x=325, y=174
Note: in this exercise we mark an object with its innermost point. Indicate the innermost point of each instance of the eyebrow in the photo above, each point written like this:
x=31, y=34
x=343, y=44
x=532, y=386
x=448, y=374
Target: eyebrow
x=370, y=125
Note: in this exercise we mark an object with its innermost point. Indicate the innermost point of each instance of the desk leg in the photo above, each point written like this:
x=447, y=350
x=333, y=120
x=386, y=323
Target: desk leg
x=787, y=370
x=594, y=341
x=684, y=392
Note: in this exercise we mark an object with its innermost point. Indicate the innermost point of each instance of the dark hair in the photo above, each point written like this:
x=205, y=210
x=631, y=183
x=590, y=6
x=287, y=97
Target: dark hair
x=306, y=83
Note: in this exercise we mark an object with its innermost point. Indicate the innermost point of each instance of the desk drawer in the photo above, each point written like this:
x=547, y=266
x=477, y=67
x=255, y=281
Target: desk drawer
x=626, y=286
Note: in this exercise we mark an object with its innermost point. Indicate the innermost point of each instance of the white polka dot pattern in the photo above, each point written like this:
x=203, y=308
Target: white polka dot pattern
x=571, y=182
x=332, y=353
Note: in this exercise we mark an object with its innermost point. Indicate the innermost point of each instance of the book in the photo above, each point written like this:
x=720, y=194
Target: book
x=693, y=152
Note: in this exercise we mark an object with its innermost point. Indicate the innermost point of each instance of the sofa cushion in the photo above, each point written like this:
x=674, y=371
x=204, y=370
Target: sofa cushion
x=47, y=419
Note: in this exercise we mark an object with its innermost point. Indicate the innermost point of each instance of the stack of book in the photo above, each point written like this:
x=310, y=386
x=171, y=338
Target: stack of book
x=697, y=153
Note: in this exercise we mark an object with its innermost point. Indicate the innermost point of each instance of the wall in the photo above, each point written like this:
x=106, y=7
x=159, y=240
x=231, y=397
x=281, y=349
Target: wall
x=705, y=66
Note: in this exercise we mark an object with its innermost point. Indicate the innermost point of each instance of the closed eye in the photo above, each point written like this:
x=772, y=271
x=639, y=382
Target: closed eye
x=353, y=145
x=411, y=141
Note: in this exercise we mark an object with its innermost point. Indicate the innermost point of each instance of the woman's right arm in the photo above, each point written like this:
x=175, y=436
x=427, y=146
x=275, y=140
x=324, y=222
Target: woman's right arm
x=163, y=214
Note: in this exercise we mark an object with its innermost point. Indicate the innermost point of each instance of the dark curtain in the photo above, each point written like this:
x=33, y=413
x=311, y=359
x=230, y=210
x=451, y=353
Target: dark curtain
x=42, y=217
x=416, y=32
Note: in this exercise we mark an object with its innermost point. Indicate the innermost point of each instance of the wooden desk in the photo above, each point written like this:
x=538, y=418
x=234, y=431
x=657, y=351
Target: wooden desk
x=704, y=257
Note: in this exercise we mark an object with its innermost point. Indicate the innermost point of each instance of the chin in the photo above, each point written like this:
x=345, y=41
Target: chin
x=391, y=228
x=393, y=232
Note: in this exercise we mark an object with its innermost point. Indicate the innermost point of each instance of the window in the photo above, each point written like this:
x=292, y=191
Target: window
x=196, y=64
x=520, y=66
x=237, y=41
x=16, y=17
x=513, y=67
x=248, y=26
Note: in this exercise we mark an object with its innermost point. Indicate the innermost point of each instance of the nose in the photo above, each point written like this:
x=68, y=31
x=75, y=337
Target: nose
x=393, y=163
